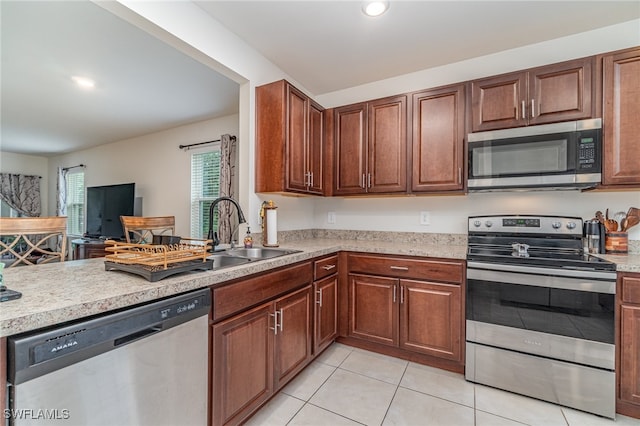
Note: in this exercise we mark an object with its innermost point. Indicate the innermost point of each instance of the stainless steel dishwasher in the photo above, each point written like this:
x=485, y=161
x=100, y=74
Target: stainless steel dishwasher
x=141, y=366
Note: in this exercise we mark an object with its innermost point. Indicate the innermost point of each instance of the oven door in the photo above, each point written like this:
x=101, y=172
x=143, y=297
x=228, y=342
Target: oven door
x=561, y=314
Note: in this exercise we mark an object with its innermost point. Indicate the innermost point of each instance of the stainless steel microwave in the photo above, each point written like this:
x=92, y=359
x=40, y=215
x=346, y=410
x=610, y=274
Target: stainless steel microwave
x=559, y=155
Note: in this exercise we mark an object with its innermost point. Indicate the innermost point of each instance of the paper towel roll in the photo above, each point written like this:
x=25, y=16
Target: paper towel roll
x=272, y=227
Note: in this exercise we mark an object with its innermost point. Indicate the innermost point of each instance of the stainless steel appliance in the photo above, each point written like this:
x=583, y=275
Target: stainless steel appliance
x=540, y=312
x=559, y=155
x=146, y=365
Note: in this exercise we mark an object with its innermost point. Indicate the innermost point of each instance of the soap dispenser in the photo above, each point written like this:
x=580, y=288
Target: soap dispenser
x=248, y=239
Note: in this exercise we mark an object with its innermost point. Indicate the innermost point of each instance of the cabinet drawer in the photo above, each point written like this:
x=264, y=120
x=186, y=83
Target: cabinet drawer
x=325, y=267
x=244, y=294
x=433, y=270
x=631, y=289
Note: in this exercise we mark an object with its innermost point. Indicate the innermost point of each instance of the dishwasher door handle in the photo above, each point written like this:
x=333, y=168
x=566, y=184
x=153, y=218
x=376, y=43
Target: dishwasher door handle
x=137, y=335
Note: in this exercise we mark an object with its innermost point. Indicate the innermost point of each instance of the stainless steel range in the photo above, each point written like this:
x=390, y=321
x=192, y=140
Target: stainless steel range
x=540, y=312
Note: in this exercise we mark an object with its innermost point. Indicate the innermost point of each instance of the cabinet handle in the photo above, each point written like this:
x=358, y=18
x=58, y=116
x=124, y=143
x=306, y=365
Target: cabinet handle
x=328, y=267
x=394, y=293
x=368, y=180
x=310, y=178
x=363, y=185
x=533, y=108
x=281, y=320
x=319, y=301
x=401, y=294
x=399, y=268
x=275, y=323
x=459, y=175
x=524, y=112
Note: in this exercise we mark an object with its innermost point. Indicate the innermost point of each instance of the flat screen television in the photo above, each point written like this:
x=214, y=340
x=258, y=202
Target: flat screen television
x=105, y=205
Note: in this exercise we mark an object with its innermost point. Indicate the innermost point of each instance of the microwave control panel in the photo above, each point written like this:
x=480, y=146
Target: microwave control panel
x=587, y=153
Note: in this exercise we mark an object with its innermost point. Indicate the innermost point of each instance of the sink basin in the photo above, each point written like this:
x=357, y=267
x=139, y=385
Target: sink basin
x=259, y=252
x=241, y=256
x=225, y=261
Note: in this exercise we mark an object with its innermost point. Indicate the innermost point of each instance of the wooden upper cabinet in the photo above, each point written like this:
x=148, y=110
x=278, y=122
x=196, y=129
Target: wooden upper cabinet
x=387, y=144
x=371, y=147
x=350, y=149
x=497, y=102
x=438, y=139
x=289, y=140
x=621, y=123
x=553, y=93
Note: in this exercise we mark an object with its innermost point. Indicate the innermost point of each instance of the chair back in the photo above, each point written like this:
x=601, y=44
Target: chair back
x=29, y=240
x=140, y=230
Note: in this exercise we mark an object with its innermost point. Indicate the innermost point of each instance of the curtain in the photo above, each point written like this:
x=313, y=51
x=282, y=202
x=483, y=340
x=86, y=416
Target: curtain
x=227, y=171
x=61, y=203
x=21, y=193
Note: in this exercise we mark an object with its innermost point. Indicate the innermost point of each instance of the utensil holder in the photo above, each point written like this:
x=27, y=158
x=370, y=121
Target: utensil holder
x=616, y=242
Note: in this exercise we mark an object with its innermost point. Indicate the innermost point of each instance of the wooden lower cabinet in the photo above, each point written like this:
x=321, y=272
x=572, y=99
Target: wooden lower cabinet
x=257, y=352
x=628, y=347
x=430, y=318
x=419, y=314
x=326, y=313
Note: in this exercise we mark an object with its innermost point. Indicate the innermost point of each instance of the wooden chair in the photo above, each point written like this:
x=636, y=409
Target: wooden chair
x=28, y=240
x=140, y=230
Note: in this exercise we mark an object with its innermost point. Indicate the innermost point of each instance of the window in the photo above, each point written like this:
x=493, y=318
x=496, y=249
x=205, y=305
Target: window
x=205, y=187
x=7, y=211
x=75, y=203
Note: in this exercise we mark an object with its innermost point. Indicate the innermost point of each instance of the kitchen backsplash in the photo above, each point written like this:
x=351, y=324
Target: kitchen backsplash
x=399, y=237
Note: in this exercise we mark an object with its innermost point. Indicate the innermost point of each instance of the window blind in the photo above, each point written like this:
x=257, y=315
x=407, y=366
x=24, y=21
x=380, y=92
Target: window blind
x=205, y=187
x=75, y=203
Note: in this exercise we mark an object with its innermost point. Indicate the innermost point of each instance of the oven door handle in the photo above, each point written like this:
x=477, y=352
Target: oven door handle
x=547, y=281
x=571, y=273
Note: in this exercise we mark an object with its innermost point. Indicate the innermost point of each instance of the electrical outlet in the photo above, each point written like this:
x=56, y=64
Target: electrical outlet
x=425, y=218
x=331, y=217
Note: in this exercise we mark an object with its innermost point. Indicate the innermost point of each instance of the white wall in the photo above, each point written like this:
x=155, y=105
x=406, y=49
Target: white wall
x=30, y=165
x=161, y=171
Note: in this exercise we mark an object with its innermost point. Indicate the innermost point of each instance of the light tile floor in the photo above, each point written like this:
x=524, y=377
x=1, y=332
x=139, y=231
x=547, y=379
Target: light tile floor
x=350, y=386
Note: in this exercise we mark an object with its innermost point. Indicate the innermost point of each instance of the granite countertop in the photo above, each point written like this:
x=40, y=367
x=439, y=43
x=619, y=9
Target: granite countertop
x=56, y=293
x=60, y=292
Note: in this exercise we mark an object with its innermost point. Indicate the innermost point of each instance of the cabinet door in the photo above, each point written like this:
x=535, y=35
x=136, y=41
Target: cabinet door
x=242, y=363
x=326, y=312
x=498, y=102
x=350, y=149
x=438, y=139
x=621, y=125
x=431, y=318
x=293, y=337
x=629, y=353
x=296, y=140
x=373, y=310
x=387, y=145
x=560, y=92
x=316, y=149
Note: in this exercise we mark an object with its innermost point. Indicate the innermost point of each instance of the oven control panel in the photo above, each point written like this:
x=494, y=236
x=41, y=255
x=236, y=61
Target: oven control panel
x=515, y=224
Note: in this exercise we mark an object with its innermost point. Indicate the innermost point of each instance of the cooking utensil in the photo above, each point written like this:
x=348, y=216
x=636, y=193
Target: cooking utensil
x=633, y=211
x=623, y=225
x=599, y=217
x=611, y=225
x=606, y=214
x=631, y=222
x=619, y=217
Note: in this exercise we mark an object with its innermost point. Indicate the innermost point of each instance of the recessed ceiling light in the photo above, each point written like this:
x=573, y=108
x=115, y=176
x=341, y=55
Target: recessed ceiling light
x=375, y=8
x=85, y=83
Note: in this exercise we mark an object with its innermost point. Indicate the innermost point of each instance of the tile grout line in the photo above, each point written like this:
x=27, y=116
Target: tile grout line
x=386, y=413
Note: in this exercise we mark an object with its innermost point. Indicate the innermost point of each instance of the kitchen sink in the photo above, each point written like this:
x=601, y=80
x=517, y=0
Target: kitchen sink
x=259, y=252
x=241, y=256
x=225, y=261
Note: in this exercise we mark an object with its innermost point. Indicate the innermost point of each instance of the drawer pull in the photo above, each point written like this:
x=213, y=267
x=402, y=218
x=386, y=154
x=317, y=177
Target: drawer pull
x=399, y=268
x=328, y=267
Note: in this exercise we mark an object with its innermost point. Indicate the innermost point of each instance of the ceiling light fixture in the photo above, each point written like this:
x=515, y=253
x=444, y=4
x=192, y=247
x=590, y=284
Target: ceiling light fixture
x=83, y=82
x=375, y=8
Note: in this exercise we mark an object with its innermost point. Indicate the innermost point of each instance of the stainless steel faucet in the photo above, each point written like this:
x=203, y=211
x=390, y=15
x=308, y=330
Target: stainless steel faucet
x=214, y=235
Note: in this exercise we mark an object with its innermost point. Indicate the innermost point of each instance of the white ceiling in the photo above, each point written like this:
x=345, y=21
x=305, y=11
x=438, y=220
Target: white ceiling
x=144, y=86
